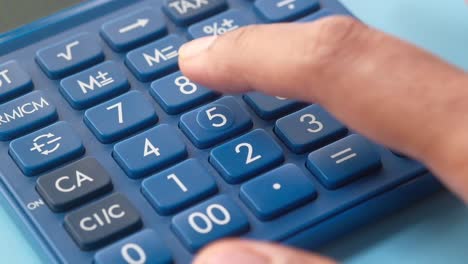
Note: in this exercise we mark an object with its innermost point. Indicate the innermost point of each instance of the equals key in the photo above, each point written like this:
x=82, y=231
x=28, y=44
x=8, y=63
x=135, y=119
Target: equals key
x=344, y=161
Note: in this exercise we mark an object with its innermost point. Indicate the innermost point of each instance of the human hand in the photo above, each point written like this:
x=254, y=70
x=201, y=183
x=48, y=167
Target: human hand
x=384, y=88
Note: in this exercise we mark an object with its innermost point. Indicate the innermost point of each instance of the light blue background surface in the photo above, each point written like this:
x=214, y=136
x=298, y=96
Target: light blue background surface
x=433, y=231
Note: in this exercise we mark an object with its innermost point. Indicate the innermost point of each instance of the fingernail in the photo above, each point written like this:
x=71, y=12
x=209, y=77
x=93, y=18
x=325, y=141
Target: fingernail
x=234, y=256
x=195, y=47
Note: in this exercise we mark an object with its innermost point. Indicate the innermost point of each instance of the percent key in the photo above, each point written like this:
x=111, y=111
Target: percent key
x=220, y=24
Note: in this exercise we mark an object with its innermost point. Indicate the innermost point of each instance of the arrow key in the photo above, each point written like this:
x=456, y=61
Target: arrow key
x=133, y=30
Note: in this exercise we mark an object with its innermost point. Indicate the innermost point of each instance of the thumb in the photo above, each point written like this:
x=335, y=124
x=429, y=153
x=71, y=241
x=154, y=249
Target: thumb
x=238, y=251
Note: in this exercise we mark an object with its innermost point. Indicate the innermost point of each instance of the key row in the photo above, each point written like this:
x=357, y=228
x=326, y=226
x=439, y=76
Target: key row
x=268, y=196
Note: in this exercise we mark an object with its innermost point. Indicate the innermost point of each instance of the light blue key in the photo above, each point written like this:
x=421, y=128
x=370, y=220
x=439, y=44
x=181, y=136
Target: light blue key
x=135, y=29
x=278, y=192
x=219, y=24
x=25, y=114
x=270, y=107
x=155, y=59
x=176, y=93
x=95, y=85
x=308, y=129
x=215, y=122
x=14, y=81
x=120, y=117
x=46, y=148
x=69, y=56
x=142, y=247
x=285, y=10
x=344, y=161
x=150, y=151
x=216, y=218
x=178, y=187
x=246, y=156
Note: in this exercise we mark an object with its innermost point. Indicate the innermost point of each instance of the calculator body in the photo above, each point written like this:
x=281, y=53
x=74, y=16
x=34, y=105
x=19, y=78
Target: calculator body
x=333, y=212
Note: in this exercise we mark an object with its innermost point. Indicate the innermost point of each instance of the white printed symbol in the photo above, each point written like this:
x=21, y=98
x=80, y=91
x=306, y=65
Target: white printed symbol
x=140, y=23
x=276, y=186
x=164, y=54
x=288, y=3
x=184, y=6
x=68, y=56
x=4, y=76
x=49, y=146
x=347, y=151
x=281, y=98
x=216, y=30
x=100, y=80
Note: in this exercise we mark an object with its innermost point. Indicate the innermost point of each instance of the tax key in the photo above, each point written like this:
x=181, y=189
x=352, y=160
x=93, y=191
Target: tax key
x=14, y=81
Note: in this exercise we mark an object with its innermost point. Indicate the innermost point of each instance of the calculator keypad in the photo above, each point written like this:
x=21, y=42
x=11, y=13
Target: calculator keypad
x=186, y=164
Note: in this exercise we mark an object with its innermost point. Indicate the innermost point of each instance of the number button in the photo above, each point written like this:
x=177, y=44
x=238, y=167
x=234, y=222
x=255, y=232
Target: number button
x=277, y=192
x=309, y=128
x=120, y=117
x=246, y=156
x=343, y=161
x=140, y=248
x=176, y=93
x=178, y=187
x=149, y=151
x=214, y=219
x=215, y=122
x=270, y=107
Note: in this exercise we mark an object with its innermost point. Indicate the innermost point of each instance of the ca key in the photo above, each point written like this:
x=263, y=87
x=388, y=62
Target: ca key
x=74, y=184
x=102, y=222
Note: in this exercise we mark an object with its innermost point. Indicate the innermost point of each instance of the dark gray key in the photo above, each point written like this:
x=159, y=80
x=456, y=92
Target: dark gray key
x=102, y=222
x=74, y=184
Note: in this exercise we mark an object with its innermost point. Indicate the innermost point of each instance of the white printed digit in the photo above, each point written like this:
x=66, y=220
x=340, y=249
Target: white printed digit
x=250, y=157
x=213, y=116
x=150, y=149
x=185, y=85
x=178, y=182
x=316, y=126
x=138, y=258
x=119, y=111
x=209, y=218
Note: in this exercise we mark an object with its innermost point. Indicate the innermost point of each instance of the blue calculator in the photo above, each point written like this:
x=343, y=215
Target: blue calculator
x=109, y=154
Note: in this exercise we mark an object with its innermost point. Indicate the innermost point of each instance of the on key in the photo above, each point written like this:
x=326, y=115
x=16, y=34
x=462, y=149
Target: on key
x=102, y=222
x=74, y=184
